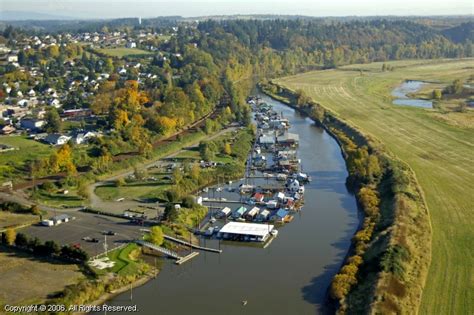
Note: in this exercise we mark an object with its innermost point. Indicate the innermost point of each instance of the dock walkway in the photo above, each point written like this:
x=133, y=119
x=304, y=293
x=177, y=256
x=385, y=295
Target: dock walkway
x=160, y=249
x=207, y=249
x=221, y=201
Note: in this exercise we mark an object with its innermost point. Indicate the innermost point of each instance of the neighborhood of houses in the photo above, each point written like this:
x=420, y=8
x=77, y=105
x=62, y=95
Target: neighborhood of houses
x=24, y=102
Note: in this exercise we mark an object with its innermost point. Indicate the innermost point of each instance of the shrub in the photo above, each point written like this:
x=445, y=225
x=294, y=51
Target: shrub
x=393, y=259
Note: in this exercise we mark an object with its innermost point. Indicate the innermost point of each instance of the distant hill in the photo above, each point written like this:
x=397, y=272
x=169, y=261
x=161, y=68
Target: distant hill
x=28, y=15
x=460, y=33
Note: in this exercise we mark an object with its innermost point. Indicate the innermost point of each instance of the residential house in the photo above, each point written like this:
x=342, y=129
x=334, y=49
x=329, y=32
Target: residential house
x=7, y=129
x=83, y=137
x=56, y=139
x=32, y=124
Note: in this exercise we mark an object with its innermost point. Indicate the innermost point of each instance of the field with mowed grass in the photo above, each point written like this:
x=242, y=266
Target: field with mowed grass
x=439, y=150
x=122, y=51
x=13, y=163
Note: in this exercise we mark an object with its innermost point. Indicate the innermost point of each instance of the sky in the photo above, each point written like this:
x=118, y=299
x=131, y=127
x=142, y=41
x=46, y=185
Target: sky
x=189, y=8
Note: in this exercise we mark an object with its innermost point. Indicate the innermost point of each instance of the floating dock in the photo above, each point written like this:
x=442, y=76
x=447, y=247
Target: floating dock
x=184, y=259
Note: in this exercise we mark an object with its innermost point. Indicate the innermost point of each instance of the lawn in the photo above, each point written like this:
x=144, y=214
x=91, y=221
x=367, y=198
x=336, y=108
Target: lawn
x=125, y=263
x=133, y=190
x=122, y=51
x=70, y=200
x=13, y=163
x=440, y=153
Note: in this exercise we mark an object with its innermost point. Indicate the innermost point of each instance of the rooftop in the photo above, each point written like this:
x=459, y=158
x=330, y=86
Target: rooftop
x=246, y=228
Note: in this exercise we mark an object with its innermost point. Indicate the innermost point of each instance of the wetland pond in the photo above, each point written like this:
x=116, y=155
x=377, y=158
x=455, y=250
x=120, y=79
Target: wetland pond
x=401, y=93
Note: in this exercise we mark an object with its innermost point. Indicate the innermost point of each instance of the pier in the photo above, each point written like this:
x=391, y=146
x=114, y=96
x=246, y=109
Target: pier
x=179, y=259
x=186, y=258
x=207, y=249
x=221, y=201
x=176, y=240
x=160, y=249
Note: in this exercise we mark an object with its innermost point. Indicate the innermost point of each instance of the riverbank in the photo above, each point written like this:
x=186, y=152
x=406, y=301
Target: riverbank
x=387, y=265
x=130, y=286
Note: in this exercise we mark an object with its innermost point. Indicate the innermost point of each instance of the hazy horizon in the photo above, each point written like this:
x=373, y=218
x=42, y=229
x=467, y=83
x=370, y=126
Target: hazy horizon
x=194, y=8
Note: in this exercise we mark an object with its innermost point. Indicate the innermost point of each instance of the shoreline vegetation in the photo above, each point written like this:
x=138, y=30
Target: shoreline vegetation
x=387, y=265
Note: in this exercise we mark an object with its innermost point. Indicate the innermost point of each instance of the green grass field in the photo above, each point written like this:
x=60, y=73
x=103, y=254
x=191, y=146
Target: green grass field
x=141, y=190
x=124, y=264
x=13, y=163
x=58, y=199
x=439, y=151
x=122, y=51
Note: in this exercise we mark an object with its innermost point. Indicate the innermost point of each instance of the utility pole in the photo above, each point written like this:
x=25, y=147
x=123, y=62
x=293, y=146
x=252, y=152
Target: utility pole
x=105, y=244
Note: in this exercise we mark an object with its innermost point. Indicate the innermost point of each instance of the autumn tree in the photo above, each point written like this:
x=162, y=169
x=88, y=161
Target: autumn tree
x=52, y=51
x=101, y=104
x=109, y=65
x=195, y=171
x=437, y=94
x=10, y=235
x=227, y=149
x=35, y=210
x=156, y=235
x=82, y=189
x=177, y=176
x=64, y=159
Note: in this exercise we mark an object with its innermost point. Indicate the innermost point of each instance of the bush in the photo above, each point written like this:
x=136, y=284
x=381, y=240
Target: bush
x=188, y=202
x=393, y=259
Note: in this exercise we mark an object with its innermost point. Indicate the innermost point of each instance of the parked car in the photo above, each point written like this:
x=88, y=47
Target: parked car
x=110, y=233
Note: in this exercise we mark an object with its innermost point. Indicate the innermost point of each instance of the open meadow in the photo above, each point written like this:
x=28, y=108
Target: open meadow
x=13, y=163
x=437, y=144
x=122, y=51
x=28, y=280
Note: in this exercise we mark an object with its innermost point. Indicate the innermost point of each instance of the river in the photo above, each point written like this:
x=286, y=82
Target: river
x=292, y=274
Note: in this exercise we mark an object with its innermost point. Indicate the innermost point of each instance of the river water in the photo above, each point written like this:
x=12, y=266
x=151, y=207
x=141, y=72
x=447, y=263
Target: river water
x=292, y=274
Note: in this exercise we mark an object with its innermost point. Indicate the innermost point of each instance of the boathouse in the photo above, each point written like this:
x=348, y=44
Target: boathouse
x=238, y=231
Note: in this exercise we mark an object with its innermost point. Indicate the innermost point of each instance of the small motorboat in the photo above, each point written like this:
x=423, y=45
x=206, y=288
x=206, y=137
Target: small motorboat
x=244, y=302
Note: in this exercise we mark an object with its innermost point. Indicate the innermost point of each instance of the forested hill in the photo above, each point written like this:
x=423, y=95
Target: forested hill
x=461, y=33
x=344, y=42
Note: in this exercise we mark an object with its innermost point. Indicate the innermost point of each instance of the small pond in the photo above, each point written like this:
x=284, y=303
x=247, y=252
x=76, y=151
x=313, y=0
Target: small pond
x=406, y=88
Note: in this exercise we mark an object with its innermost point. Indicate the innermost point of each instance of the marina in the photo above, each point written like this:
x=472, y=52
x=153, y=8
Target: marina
x=265, y=274
x=273, y=188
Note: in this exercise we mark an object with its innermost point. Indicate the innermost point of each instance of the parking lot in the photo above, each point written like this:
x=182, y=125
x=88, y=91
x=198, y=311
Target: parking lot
x=87, y=225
